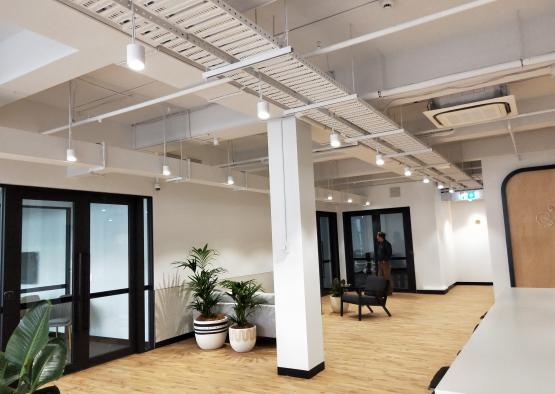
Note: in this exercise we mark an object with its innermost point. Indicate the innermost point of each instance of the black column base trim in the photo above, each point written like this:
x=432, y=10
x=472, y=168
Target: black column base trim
x=178, y=338
x=474, y=283
x=299, y=373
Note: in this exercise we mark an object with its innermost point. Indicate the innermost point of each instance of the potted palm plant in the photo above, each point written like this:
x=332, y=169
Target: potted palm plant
x=32, y=359
x=335, y=296
x=210, y=327
x=242, y=333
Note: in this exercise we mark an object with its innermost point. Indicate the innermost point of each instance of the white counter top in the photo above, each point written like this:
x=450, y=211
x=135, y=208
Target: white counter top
x=512, y=351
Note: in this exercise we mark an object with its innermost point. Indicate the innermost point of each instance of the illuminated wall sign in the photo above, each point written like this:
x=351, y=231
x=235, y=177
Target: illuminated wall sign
x=467, y=195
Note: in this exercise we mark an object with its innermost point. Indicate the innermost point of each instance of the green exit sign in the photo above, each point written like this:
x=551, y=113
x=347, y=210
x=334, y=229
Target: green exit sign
x=470, y=195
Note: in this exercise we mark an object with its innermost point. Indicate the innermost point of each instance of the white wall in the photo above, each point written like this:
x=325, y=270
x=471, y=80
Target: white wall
x=471, y=241
x=495, y=169
x=235, y=223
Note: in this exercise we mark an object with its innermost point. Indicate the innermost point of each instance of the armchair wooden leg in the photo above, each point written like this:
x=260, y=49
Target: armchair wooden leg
x=386, y=311
x=359, y=311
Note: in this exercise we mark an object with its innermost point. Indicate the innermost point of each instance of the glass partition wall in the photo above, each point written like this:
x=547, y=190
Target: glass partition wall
x=89, y=255
x=328, y=256
x=360, y=230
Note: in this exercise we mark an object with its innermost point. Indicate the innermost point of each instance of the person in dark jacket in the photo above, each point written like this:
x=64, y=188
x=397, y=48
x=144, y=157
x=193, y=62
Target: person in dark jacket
x=383, y=256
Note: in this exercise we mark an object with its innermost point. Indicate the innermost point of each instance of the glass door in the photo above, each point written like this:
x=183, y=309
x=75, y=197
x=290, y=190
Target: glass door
x=326, y=224
x=85, y=253
x=361, y=229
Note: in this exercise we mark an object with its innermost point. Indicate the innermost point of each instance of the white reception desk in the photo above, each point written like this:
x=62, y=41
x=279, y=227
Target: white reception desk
x=512, y=351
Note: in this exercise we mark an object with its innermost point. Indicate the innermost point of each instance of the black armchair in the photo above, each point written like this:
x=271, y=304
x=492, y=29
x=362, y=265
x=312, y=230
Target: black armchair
x=372, y=293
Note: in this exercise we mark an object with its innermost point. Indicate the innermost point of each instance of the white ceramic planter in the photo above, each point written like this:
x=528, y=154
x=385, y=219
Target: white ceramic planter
x=335, y=303
x=211, y=334
x=242, y=339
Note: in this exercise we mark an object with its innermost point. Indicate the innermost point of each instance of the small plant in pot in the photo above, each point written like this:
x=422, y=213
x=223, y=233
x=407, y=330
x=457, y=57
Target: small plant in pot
x=337, y=287
x=210, y=327
x=242, y=334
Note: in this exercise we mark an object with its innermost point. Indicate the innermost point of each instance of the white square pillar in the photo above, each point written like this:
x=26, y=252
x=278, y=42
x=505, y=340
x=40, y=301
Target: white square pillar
x=299, y=337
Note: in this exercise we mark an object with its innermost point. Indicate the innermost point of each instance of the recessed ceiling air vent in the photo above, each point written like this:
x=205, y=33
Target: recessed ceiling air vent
x=395, y=191
x=471, y=107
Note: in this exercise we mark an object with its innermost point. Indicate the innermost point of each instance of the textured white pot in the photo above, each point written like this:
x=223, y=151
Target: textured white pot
x=242, y=339
x=335, y=303
x=211, y=334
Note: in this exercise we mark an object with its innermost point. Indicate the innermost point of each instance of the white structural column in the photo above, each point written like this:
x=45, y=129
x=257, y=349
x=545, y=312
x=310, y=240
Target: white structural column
x=300, y=348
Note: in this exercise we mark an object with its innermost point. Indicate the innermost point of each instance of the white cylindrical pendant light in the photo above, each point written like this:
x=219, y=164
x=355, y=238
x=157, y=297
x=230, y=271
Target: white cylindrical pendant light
x=330, y=197
x=216, y=141
x=230, y=180
x=408, y=171
x=335, y=141
x=367, y=204
x=263, y=110
x=440, y=186
x=379, y=160
x=166, y=170
x=135, y=56
x=426, y=179
x=451, y=190
x=349, y=200
x=70, y=155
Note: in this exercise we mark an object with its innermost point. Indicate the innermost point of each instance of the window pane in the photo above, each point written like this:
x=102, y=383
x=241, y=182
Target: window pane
x=392, y=225
x=109, y=247
x=46, y=246
x=109, y=325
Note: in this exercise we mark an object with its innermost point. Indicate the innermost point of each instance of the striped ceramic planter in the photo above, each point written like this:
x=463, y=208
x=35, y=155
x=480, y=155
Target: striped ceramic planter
x=242, y=339
x=210, y=334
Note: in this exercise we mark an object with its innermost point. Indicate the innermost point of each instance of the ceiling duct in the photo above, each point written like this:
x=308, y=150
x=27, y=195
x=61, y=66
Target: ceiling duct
x=474, y=106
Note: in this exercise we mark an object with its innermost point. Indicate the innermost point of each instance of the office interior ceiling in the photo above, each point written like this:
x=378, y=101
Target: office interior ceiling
x=211, y=34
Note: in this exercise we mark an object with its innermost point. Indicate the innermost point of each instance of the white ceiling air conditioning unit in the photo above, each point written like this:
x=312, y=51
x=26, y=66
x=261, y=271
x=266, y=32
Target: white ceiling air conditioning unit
x=476, y=106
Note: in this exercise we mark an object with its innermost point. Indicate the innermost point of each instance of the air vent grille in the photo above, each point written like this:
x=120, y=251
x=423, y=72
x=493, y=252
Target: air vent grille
x=395, y=191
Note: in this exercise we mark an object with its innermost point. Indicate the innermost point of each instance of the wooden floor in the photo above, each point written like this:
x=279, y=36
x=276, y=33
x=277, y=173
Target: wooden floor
x=377, y=355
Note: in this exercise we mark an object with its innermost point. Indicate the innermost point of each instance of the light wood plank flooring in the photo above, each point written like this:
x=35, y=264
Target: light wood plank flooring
x=377, y=355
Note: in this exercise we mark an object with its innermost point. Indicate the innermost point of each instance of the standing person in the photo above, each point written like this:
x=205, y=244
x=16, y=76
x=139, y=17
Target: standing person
x=383, y=256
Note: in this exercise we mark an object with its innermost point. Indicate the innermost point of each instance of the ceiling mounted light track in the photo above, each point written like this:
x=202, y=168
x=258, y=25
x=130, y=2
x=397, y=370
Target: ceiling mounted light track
x=135, y=50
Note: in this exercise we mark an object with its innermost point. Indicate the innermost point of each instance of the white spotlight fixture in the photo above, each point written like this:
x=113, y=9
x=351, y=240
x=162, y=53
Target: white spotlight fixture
x=440, y=186
x=379, y=160
x=70, y=155
x=330, y=197
x=451, y=190
x=166, y=170
x=135, y=50
x=216, y=141
x=349, y=200
x=230, y=180
x=335, y=141
x=367, y=204
x=408, y=172
x=262, y=106
x=426, y=179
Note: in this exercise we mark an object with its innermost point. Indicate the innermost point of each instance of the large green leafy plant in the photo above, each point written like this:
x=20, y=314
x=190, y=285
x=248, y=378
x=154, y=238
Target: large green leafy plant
x=203, y=280
x=246, y=300
x=32, y=359
x=337, y=287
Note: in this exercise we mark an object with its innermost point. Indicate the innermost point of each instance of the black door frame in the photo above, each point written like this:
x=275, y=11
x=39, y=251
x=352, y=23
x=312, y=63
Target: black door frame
x=374, y=213
x=80, y=297
x=335, y=270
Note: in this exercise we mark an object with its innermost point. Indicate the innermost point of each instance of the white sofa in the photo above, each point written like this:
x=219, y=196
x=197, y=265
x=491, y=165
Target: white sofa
x=264, y=316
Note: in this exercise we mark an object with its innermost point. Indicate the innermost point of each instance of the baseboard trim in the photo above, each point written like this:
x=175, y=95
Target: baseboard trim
x=299, y=373
x=474, y=283
x=172, y=340
x=445, y=291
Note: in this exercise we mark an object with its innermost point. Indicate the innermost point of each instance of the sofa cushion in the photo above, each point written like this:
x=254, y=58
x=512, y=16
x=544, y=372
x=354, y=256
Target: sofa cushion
x=267, y=298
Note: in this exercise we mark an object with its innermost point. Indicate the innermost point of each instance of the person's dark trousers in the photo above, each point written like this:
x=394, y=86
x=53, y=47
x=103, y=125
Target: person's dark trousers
x=384, y=270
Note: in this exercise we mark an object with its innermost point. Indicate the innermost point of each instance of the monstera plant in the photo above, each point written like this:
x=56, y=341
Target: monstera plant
x=32, y=359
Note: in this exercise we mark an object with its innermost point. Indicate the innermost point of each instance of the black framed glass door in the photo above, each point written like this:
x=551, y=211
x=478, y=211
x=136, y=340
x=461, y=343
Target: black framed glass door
x=328, y=252
x=86, y=254
x=361, y=228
